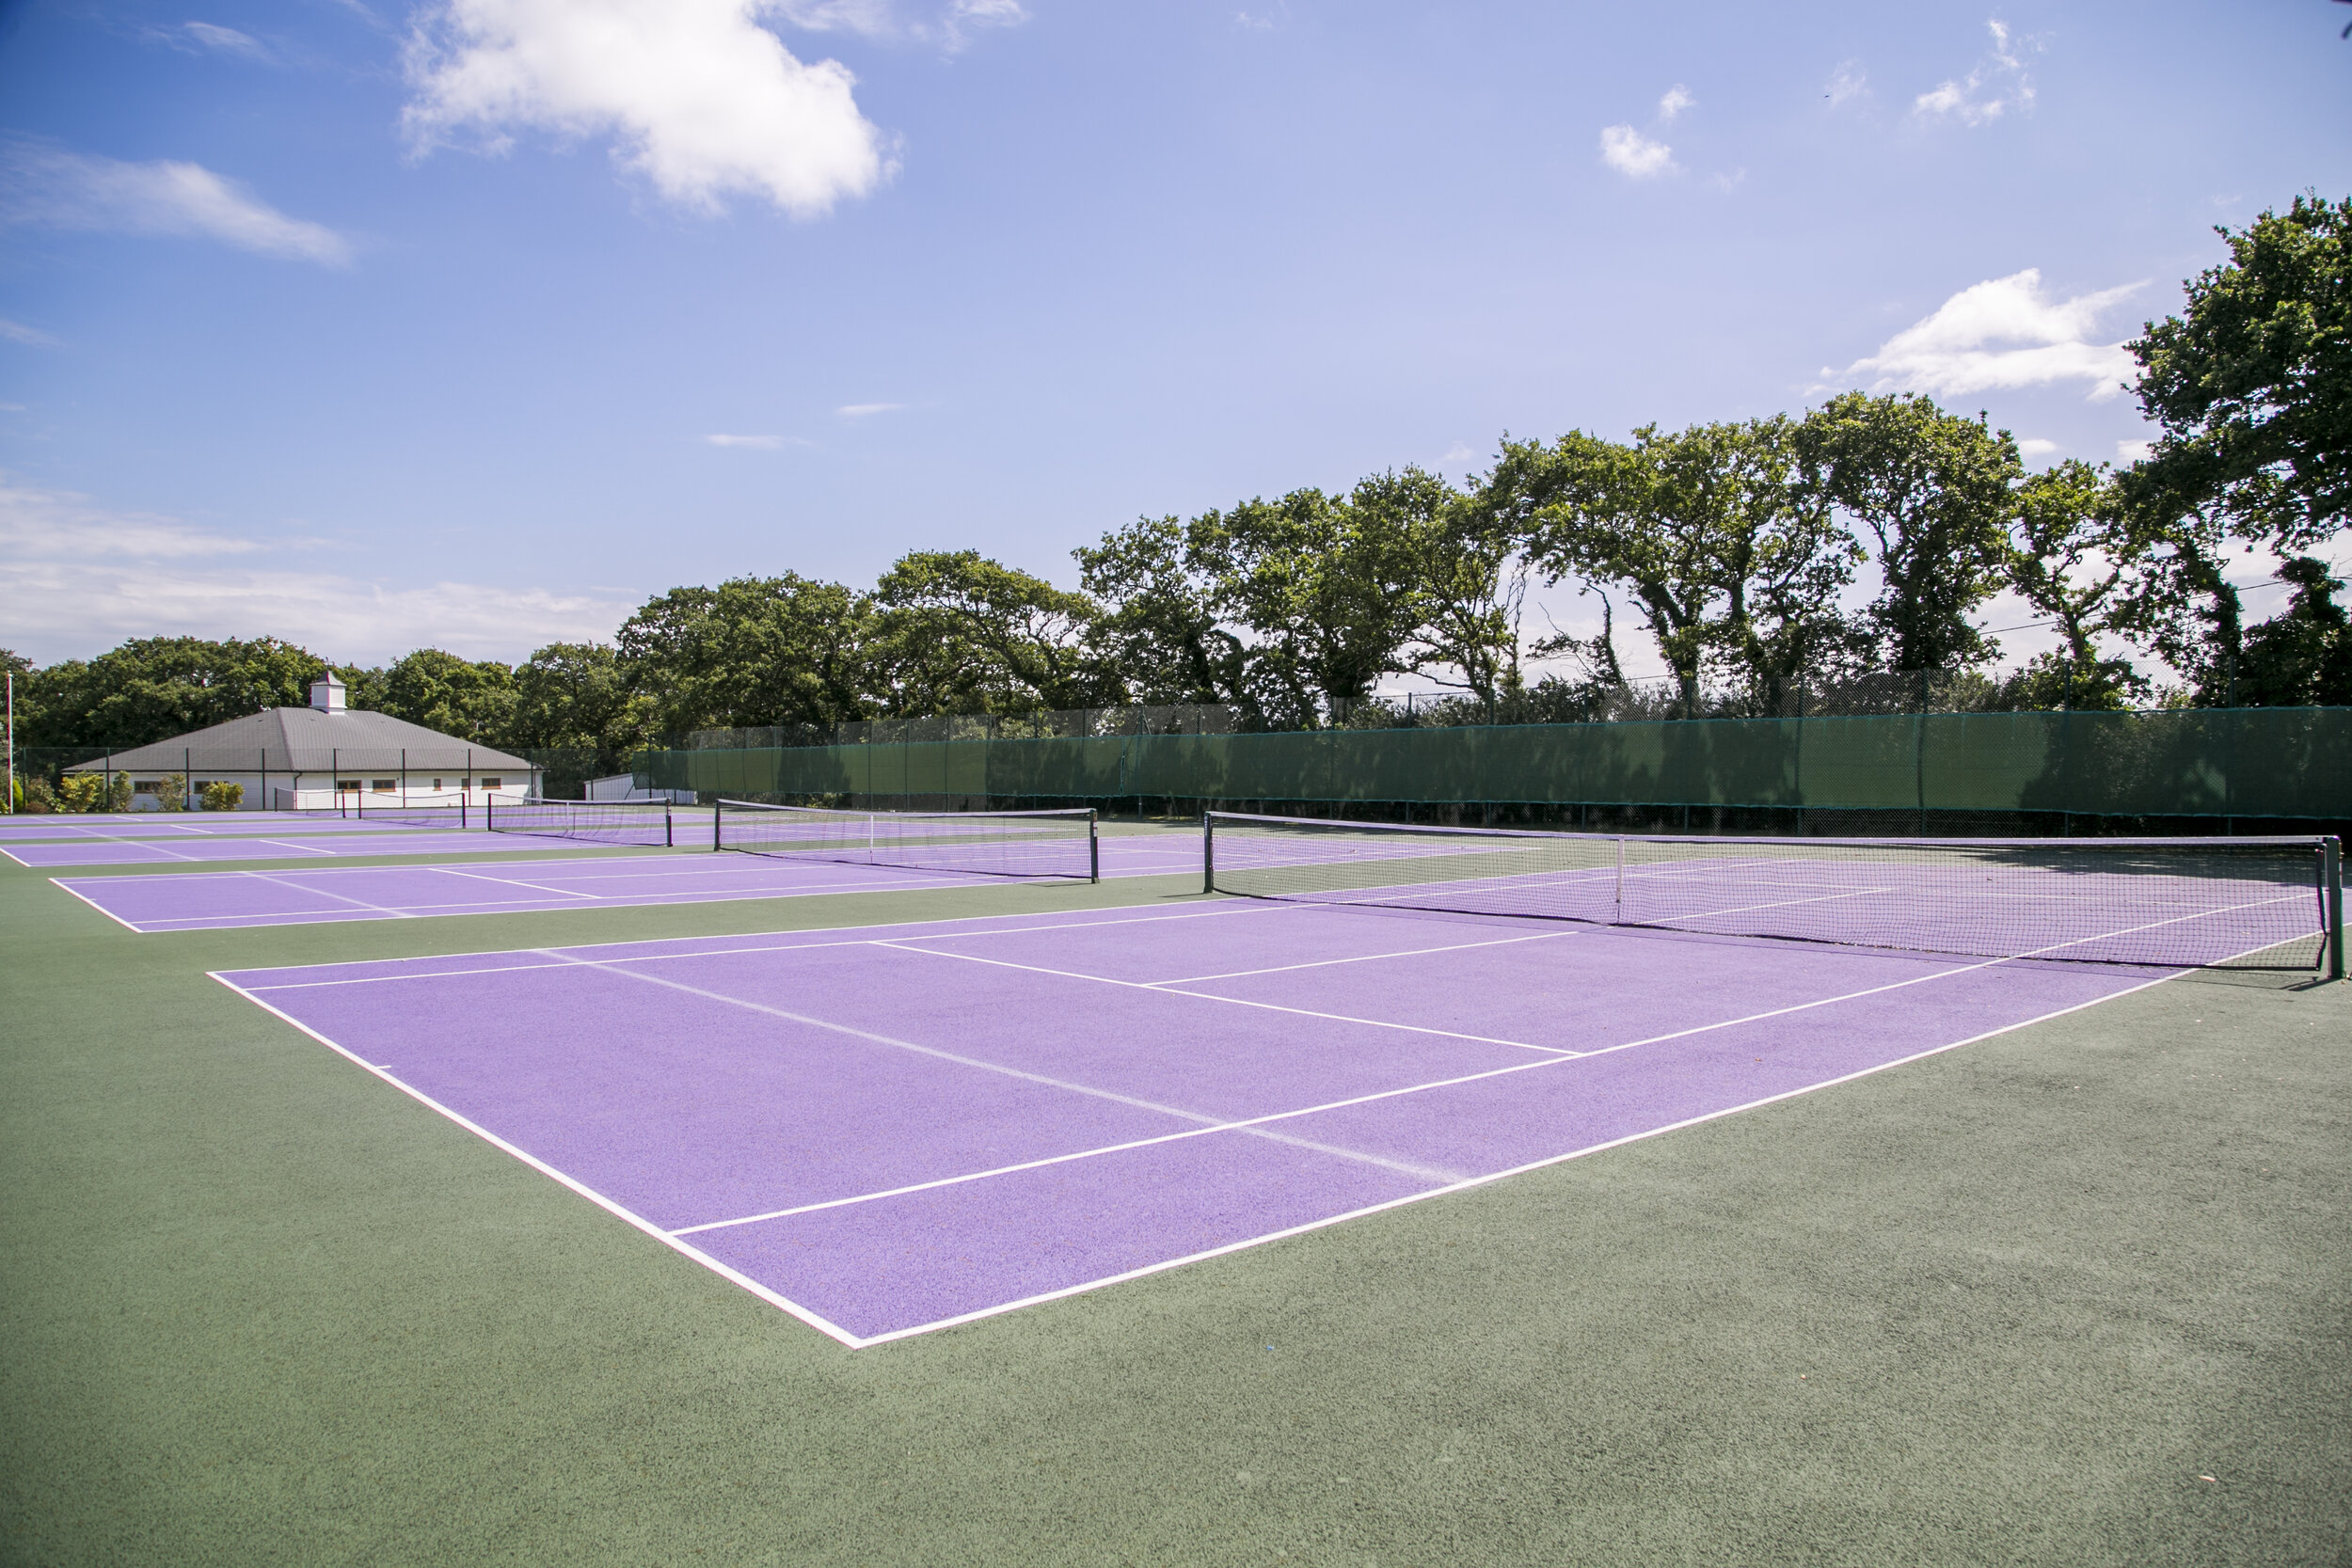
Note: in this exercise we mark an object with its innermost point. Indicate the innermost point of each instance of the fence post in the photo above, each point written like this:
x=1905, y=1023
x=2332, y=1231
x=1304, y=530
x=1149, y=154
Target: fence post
x=187, y=777
x=1919, y=761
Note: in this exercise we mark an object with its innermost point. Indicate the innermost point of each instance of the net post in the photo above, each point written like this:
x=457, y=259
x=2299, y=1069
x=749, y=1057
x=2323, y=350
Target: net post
x=489, y=815
x=1208, y=851
x=1094, y=848
x=669, y=828
x=1619, y=918
x=2332, y=849
x=718, y=808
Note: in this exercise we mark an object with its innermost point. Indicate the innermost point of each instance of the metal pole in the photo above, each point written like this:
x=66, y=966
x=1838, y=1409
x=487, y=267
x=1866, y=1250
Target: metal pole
x=1619, y=919
x=2334, y=854
x=1094, y=851
x=11, y=740
x=187, y=777
x=669, y=828
x=403, y=778
x=1208, y=851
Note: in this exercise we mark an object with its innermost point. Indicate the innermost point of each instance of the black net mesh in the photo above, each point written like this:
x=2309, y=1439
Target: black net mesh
x=592, y=822
x=994, y=843
x=2162, y=902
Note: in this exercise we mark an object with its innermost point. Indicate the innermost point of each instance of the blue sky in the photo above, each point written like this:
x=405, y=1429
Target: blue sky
x=475, y=324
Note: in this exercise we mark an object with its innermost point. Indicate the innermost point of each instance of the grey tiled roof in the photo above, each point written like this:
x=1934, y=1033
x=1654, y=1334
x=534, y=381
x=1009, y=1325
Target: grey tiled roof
x=305, y=740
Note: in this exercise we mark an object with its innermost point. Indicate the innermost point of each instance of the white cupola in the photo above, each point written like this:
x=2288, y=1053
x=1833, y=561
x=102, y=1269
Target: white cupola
x=326, y=693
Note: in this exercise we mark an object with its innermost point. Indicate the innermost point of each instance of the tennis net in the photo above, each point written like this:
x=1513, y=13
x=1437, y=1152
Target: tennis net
x=433, y=814
x=594, y=821
x=2173, y=903
x=979, y=842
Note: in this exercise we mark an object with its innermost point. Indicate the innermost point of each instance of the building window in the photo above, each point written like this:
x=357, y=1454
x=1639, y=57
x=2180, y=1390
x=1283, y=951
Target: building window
x=490, y=783
x=437, y=783
x=383, y=786
x=346, y=787
x=143, y=787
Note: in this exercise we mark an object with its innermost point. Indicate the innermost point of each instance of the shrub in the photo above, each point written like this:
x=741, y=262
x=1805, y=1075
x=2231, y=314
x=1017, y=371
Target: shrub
x=35, y=796
x=223, y=796
x=171, y=792
x=82, y=792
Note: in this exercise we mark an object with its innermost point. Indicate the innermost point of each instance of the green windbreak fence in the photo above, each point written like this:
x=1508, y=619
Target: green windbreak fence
x=2242, y=762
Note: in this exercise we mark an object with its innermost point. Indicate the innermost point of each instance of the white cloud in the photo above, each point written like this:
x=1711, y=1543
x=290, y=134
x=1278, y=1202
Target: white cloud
x=757, y=443
x=950, y=28
x=79, y=578
x=46, y=185
x=2034, y=446
x=701, y=99
x=2134, y=452
x=63, y=525
x=17, y=332
x=1845, y=82
x=1997, y=84
x=1677, y=97
x=226, y=40
x=2003, y=333
x=1634, y=155
x=860, y=410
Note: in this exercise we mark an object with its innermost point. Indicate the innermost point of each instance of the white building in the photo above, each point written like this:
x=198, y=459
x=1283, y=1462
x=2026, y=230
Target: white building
x=318, y=757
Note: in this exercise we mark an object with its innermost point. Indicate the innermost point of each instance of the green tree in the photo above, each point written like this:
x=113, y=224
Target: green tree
x=1326, y=585
x=1160, y=630
x=965, y=634
x=1733, y=555
x=473, y=701
x=2178, y=600
x=2252, y=385
x=578, y=694
x=153, y=689
x=2303, y=658
x=2071, y=555
x=1933, y=491
x=752, y=652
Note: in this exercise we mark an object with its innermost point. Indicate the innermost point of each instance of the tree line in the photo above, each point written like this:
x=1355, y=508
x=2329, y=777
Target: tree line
x=1735, y=545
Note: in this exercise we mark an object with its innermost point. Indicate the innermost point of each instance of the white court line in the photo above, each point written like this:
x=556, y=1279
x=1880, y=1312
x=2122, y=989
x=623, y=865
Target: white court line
x=1426, y=1173
x=59, y=881
x=1168, y=988
x=120, y=843
x=1562, y=1056
x=781, y=944
x=737, y=1276
x=1358, y=958
x=1552, y=1060
x=284, y=843
x=858, y=1342
x=320, y=892
x=1469, y=1182
x=500, y=881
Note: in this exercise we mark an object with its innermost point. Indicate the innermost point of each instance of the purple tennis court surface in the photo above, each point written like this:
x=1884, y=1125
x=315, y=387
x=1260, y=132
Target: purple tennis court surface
x=894, y=1129
x=379, y=840
x=195, y=900
x=175, y=825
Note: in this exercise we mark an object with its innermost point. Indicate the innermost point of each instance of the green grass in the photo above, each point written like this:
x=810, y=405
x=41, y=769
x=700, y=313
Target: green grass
x=2005, y=1305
